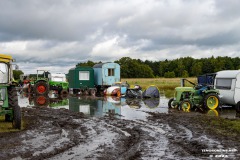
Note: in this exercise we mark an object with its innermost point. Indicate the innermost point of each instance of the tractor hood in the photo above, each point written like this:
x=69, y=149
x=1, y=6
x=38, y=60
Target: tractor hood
x=182, y=89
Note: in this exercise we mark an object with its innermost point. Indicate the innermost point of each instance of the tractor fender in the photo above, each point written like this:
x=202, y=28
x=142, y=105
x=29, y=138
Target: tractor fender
x=211, y=91
x=41, y=80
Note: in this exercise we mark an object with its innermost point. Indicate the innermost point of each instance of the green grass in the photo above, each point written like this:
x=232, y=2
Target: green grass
x=164, y=84
x=161, y=83
x=226, y=127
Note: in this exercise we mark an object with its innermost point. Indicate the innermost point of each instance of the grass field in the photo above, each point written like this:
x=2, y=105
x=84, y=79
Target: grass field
x=161, y=83
x=164, y=84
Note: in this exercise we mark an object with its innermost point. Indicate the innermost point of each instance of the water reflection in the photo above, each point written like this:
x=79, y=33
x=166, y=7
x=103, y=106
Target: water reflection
x=124, y=108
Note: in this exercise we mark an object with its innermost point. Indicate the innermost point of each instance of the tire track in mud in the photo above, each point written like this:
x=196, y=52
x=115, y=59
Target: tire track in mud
x=187, y=137
x=62, y=134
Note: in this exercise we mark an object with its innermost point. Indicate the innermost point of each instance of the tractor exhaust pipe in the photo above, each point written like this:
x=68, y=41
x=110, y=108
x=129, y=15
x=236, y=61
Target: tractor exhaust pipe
x=182, y=82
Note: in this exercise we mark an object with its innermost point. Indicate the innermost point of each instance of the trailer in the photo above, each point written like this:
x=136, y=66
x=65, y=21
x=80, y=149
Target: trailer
x=228, y=84
x=106, y=74
x=81, y=81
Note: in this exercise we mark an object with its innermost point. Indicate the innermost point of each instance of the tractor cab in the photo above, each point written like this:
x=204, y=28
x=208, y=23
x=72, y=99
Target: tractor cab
x=8, y=93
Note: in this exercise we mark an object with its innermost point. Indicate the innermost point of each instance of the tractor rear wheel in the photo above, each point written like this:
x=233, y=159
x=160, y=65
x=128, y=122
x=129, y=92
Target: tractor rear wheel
x=186, y=105
x=41, y=88
x=211, y=101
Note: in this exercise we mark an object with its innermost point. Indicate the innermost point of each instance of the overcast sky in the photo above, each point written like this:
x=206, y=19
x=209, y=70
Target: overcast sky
x=57, y=34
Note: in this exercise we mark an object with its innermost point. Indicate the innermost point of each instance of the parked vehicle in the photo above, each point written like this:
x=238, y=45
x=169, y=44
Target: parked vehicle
x=135, y=92
x=228, y=84
x=42, y=82
x=58, y=82
x=200, y=95
x=8, y=93
x=106, y=74
x=81, y=81
x=117, y=89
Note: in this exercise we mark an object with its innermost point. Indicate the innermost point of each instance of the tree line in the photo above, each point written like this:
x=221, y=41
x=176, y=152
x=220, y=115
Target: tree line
x=181, y=67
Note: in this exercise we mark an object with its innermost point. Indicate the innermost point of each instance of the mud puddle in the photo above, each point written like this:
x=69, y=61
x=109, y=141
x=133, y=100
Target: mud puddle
x=112, y=128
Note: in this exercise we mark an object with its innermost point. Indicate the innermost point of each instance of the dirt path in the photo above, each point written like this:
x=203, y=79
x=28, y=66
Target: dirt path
x=61, y=134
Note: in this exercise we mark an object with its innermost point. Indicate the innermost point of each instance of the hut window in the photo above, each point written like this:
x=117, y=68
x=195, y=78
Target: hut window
x=224, y=83
x=111, y=72
x=83, y=75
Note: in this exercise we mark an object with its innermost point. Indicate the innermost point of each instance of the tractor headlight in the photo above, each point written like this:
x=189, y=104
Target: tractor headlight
x=2, y=94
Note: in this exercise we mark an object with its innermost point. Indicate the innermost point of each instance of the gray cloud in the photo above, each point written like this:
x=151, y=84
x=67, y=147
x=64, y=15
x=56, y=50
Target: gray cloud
x=61, y=33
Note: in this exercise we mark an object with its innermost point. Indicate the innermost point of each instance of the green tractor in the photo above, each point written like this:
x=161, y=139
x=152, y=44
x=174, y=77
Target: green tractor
x=44, y=81
x=8, y=93
x=201, y=95
x=39, y=83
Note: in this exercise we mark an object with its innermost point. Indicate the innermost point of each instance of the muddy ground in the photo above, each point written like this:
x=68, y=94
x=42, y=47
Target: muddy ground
x=62, y=134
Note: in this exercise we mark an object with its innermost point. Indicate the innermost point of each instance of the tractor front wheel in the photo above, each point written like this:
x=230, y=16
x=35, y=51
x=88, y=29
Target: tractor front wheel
x=211, y=101
x=186, y=105
x=41, y=88
x=170, y=103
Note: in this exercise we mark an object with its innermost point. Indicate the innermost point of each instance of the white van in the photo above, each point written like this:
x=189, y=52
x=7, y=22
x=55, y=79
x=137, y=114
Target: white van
x=228, y=84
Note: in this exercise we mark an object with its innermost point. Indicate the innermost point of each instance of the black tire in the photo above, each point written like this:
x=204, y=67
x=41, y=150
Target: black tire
x=211, y=101
x=17, y=117
x=64, y=92
x=170, y=103
x=41, y=88
x=186, y=105
x=12, y=96
x=13, y=104
x=238, y=107
x=8, y=118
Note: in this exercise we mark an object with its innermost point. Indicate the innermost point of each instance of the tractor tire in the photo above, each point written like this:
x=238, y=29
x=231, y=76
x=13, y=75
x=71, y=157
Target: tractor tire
x=12, y=97
x=170, y=103
x=8, y=118
x=17, y=117
x=186, y=105
x=211, y=101
x=41, y=101
x=64, y=92
x=13, y=104
x=41, y=88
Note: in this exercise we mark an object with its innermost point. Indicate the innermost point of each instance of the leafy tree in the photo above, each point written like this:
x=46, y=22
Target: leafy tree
x=17, y=73
x=185, y=74
x=169, y=74
x=87, y=64
x=197, y=69
x=132, y=68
